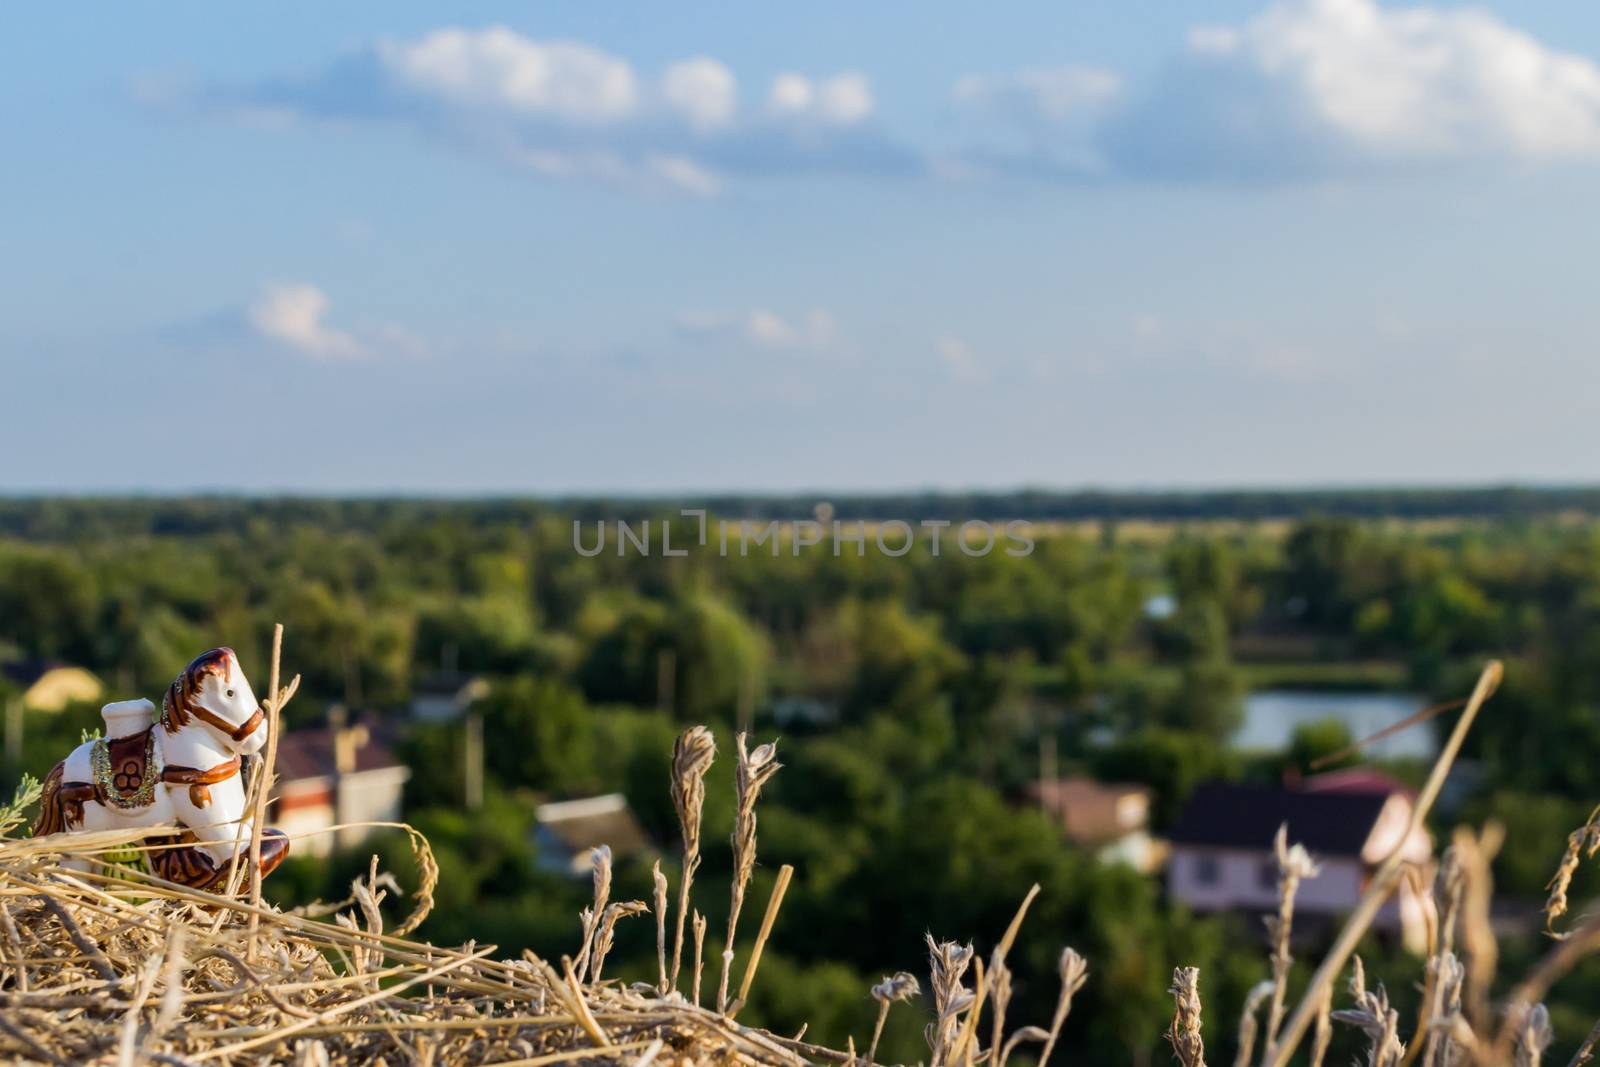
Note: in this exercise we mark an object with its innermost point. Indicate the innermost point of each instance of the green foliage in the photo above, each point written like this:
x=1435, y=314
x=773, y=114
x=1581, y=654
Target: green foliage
x=948, y=675
x=14, y=813
x=1313, y=741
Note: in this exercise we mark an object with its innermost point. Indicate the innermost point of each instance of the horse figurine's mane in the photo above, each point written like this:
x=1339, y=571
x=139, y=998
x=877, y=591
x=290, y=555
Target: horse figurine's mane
x=177, y=707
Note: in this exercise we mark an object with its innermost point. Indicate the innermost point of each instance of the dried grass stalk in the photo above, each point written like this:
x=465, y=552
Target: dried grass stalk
x=1248, y=1024
x=659, y=881
x=1531, y=1035
x=1482, y=949
x=1184, y=1033
x=692, y=756
x=1442, y=989
x=1373, y=1015
x=1585, y=1051
x=699, y=953
x=1294, y=866
x=774, y=902
x=1582, y=844
x=999, y=1002
x=608, y=926
x=1447, y=893
x=895, y=988
x=1074, y=971
x=1323, y=1032
x=593, y=915
x=258, y=809
x=947, y=965
x=753, y=771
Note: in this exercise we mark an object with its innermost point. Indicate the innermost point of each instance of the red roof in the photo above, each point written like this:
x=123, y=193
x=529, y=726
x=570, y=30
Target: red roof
x=1356, y=780
x=306, y=754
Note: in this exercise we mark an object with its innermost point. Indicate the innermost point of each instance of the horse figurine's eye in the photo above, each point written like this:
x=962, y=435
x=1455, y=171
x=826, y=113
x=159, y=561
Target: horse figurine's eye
x=230, y=692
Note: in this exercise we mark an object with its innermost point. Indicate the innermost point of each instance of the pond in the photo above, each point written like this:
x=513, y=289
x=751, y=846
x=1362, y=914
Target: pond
x=1271, y=715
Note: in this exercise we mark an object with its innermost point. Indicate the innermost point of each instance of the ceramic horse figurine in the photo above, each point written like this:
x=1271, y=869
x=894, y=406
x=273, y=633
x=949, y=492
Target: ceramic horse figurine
x=183, y=768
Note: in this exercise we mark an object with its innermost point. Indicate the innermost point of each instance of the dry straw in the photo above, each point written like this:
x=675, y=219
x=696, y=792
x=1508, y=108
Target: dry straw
x=753, y=771
x=894, y=989
x=1294, y=866
x=947, y=965
x=594, y=915
x=692, y=756
x=1374, y=1017
x=1184, y=1033
x=1582, y=844
x=1248, y=1024
x=659, y=882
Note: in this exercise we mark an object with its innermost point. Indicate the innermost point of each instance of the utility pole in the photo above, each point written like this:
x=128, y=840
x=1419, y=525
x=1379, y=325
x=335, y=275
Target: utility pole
x=666, y=680
x=473, y=752
x=1047, y=771
x=747, y=700
x=13, y=737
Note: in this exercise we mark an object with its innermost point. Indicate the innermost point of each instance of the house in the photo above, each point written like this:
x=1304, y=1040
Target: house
x=1222, y=857
x=1109, y=818
x=49, y=686
x=445, y=695
x=567, y=831
x=331, y=776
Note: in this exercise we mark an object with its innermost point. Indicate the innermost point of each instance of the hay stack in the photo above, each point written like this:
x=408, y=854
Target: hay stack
x=124, y=968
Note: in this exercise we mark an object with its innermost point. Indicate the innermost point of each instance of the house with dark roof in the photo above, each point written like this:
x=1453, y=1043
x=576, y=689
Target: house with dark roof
x=1221, y=856
x=567, y=832
x=331, y=776
x=445, y=696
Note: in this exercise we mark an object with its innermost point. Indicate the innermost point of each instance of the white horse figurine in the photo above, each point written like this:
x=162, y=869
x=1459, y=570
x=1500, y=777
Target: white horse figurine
x=187, y=772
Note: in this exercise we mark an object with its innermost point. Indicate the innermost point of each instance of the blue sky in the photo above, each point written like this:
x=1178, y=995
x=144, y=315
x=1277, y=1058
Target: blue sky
x=579, y=247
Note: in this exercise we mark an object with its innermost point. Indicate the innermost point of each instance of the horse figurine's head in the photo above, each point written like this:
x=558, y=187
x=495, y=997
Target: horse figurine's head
x=214, y=691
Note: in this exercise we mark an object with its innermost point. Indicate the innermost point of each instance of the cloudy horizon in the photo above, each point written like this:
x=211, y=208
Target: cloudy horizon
x=1310, y=242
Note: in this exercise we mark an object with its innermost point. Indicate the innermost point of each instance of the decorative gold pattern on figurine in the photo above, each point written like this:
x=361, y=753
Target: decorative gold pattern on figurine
x=127, y=770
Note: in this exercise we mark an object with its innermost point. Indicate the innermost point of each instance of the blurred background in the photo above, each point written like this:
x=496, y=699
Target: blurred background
x=1257, y=335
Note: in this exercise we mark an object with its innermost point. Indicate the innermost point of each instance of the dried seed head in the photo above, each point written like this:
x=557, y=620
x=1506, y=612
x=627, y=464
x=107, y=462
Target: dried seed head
x=1297, y=863
x=1074, y=970
x=692, y=756
x=1184, y=1034
x=1374, y=1016
x=898, y=987
x=601, y=858
x=947, y=964
x=1531, y=1035
x=1448, y=887
x=1582, y=843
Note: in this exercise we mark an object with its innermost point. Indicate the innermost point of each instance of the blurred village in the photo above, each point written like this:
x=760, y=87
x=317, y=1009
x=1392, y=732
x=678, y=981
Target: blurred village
x=1126, y=715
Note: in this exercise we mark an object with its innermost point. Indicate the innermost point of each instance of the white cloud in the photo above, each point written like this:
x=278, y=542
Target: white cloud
x=1304, y=90
x=568, y=110
x=1057, y=94
x=683, y=174
x=702, y=90
x=842, y=100
x=293, y=315
x=959, y=360
x=1423, y=81
x=500, y=68
x=792, y=94
x=1312, y=87
x=815, y=329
